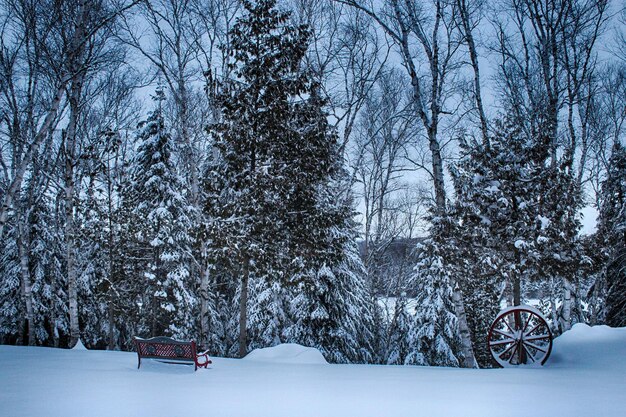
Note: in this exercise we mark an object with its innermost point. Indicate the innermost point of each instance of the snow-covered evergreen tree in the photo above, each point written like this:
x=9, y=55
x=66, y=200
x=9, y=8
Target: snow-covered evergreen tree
x=362, y=309
x=33, y=298
x=398, y=341
x=612, y=237
x=434, y=334
x=10, y=305
x=273, y=213
x=331, y=310
x=515, y=222
x=250, y=182
x=160, y=222
x=266, y=306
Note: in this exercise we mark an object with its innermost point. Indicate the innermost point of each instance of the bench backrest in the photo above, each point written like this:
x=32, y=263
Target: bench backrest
x=165, y=347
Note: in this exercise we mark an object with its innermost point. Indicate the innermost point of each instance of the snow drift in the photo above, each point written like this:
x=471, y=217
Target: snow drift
x=287, y=353
x=586, y=376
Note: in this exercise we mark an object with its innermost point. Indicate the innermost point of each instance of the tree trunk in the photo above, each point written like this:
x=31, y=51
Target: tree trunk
x=471, y=46
x=16, y=183
x=440, y=189
x=243, y=310
x=469, y=360
x=204, y=306
x=78, y=71
x=566, y=312
x=23, y=243
x=517, y=290
x=54, y=330
x=70, y=157
x=69, y=254
x=111, y=329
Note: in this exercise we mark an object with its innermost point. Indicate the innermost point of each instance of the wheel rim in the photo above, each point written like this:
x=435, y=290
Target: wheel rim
x=520, y=336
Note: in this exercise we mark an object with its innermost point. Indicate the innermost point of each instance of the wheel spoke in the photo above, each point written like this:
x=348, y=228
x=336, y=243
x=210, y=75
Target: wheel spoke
x=512, y=354
x=530, y=355
x=534, y=346
x=509, y=335
x=538, y=337
x=506, y=350
x=507, y=325
x=501, y=342
x=534, y=328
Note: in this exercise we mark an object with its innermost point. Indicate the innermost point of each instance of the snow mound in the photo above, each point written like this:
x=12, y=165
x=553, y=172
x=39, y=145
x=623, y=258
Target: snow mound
x=79, y=345
x=587, y=346
x=287, y=353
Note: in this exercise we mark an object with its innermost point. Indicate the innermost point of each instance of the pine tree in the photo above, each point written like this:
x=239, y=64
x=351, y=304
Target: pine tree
x=398, y=341
x=434, y=334
x=160, y=222
x=332, y=310
x=488, y=224
x=250, y=182
x=10, y=306
x=515, y=222
x=271, y=193
x=267, y=313
x=612, y=237
x=361, y=307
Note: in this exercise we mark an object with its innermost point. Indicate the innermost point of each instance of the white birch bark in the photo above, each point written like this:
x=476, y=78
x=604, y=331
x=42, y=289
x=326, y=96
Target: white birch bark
x=566, y=312
x=70, y=258
x=467, y=31
x=469, y=360
x=23, y=243
x=204, y=299
x=77, y=69
x=18, y=178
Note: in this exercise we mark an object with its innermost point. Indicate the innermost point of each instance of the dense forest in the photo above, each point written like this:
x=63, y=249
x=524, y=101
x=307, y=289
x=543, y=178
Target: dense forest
x=376, y=179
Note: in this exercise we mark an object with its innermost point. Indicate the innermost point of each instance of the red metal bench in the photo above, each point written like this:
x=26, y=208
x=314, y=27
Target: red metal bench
x=168, y=350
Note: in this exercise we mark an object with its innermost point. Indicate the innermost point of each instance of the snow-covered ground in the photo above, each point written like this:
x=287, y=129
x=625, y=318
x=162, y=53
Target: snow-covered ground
x=585, y=376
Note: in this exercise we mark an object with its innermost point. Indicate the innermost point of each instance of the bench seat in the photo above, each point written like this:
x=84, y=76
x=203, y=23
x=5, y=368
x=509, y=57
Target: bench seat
x=166, y=349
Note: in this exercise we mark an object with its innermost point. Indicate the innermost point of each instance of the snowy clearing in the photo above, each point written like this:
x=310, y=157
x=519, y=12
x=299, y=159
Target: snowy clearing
x=586, y=376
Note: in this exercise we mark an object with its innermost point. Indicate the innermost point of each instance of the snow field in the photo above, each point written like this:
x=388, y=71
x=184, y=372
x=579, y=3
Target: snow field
x=585, y=376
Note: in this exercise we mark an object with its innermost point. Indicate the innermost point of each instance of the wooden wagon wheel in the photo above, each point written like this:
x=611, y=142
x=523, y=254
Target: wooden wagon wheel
x=520, y=336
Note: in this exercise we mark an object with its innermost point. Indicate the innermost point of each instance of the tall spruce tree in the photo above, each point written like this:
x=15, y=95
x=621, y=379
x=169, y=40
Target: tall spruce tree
x=398, y=343
x=331, y=308
x=159, y=225
x=434, y=332
x=515, y=222
x=612, y=237
x=267, y=313
x=270, y=203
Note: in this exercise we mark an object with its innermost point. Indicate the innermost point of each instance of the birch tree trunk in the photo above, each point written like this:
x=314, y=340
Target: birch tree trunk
x=469, y=360
x=204, y=299
x=566, y=312
x=16, y=183
x=23, y=243
x=467, y=31
x=78, y=69
x=70, y=259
